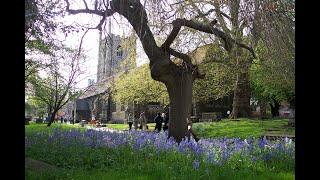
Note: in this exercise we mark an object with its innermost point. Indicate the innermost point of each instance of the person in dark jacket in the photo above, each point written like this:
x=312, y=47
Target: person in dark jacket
x=130, y=120
x=158, y=120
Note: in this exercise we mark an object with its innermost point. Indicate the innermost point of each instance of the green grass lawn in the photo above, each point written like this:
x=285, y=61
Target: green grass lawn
x=229, y=128
x=226, y=128
x=243, y=128
x=123, y=127
x=33, y=127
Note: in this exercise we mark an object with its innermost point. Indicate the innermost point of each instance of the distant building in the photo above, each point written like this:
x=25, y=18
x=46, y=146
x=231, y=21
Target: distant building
x=116, y=55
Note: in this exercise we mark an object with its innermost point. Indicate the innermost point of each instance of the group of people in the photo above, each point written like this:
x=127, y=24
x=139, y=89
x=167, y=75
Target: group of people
x=159, y=119
x=141, y=122
x=164, y=117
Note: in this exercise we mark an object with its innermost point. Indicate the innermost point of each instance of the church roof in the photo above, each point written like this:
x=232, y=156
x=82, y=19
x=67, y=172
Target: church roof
x=99, y=87
x=96, y=88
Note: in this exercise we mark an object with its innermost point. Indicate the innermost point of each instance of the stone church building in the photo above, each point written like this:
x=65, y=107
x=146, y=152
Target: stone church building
x=116, y=56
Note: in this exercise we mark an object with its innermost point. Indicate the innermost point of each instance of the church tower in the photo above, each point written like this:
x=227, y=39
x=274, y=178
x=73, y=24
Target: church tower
x=115, y=54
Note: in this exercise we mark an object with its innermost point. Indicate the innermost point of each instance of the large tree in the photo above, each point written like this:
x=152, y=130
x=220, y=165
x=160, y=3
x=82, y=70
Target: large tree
x=272, y=78
x=247, y=21
x=177, y=79
x=233, y=20
x=273, y=35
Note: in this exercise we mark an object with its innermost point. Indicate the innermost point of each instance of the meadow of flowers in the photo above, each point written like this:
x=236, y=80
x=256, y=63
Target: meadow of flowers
x=152, y=155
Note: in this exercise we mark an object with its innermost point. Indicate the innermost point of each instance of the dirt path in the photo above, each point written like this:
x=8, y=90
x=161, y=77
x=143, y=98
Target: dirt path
x=38, y=166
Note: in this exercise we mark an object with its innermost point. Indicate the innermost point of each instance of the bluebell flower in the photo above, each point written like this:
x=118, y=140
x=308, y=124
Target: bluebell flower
x=239, y=145
x=280, y=146
x=262, y=142
x=196, y=164
x=254, y=159
x=225, y=155
x=266, y=156
x=210, y=157
x=50, y=139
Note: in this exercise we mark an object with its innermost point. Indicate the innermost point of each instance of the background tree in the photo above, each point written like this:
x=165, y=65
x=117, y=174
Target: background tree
x=246, y=21
x=220, y=74
x=35, y=107
x=57, y=86
x=232, y=17
x=272, y=79
x=41, y=33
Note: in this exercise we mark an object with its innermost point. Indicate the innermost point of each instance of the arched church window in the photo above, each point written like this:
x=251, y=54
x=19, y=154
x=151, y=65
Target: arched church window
x=119, y=51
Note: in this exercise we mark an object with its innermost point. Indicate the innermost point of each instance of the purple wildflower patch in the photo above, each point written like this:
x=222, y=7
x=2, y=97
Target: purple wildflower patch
x=212, y=151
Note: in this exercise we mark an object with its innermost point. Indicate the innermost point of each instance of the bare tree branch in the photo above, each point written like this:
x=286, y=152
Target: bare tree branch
x=176, y=28
x=135, y=13
x=220, y=18
x=211, y=30
x=85, y=3
x=106, y=4
x=212, y=10
x=96, y=4
x=182, y=56
x=172, y=36
x=183, y=22
x=186, y=58
x=107, y=12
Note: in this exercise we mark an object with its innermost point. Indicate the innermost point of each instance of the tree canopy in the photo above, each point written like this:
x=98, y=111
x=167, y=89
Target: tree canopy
x=272, y=77
x=220, y=75
x=138, y=86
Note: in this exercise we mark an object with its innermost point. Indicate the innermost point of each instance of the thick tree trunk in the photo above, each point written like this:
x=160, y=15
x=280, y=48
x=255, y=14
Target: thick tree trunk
x=275, y=108
x=241, y=99
x=52, y=118
x=180, y=94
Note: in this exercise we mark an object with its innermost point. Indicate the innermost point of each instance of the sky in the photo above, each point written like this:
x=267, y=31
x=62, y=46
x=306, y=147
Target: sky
x=91, y=42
